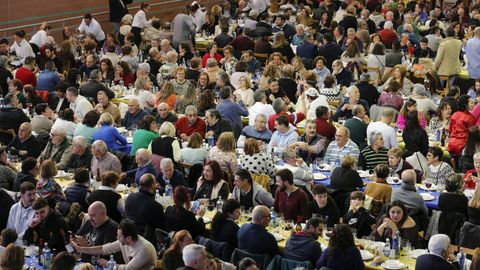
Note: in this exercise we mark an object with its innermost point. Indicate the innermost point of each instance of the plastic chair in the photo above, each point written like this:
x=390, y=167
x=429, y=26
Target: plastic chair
x=285, y=264
x=262, y=260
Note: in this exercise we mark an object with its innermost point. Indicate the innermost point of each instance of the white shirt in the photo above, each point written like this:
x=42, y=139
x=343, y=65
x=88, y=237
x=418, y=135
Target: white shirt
x=80, y=107
x=22, y=50
x=199, y=20
x=259, y=108
x=40, y=38
x=19, y=218
x=321, y=100
x=388, y=133
x=94, y=28
x=140, y=20
x=59, y=105
x=259, y=5
x=425, y=105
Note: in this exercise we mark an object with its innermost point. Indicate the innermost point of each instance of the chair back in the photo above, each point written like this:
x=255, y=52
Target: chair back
x=450, y=223
x=219, y=250
x=262, y=260
x=6, y=135
x=470, y=235
x=263, y=180
x=163, y=240
x=194, y=173
x=286, y=264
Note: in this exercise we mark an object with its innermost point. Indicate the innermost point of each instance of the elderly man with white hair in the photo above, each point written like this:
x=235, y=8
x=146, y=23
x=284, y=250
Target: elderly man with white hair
x=343, y=76
x=58, y=148
x=440, y=255
x=81, y=155
x=168, y=174
x=165, y=114
x=388, y=34
x=258, y=130
x=345, y=109
x=142, y=158
x=194, y=257
x=103, y=160
x=133, y=115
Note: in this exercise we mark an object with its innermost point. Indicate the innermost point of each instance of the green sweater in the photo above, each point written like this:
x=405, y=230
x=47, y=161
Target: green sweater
x=141, y=139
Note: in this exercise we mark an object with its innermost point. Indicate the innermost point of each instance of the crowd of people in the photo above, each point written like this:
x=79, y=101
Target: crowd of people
x=244, y=124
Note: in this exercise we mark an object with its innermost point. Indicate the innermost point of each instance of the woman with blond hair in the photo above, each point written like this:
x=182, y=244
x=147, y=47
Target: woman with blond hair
x=304, y=16
x=109, y=134
x=255, y=160
x=269, y=72
x=165, y=146
x=345, y=177
x=189, y=97
x=224, y=152
x=245, y=91
x=167, y=95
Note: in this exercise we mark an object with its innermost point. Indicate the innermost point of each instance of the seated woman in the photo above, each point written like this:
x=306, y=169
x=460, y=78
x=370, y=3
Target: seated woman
x=396, y=219
x=391, y=97
x=172, y=258
x=380, y=190
x=460, y=122
x=466, y=160
x=31, y=96
x=224, y=228
x=224, y=153
x=179, y=217
x=453, y=200
x=255, y=160
x=438, y=171
x=441, y=120
x=414, y=136
x=244, y=91
x=302, y=175
x=323, y=206
x=396, y=162
x=194, y=153
x=471, y=176
x=341, y=246
x=123, y=73
x=473, y=209
x=165, y=146
x=107, y=194
x=146, y=132
x=109, y=134
x=66, y=120
x=358, y=217
x=408, y=106
x=211, y=184
x=47, y=187
x=345, y=177
x=88, y=126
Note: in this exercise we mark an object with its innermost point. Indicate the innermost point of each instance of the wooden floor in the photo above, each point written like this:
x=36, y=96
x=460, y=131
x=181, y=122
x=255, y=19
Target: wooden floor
x=29, y=14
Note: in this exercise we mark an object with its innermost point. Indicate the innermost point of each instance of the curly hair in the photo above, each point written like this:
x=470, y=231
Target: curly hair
x=341, y=239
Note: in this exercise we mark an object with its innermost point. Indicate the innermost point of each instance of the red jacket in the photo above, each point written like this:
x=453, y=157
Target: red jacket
x=388, y=37
x=293, y=118
x=325, y=129
x=469, y=184
x=206, y=56
x=183, y=126
x=460, y=122
x=26, y=76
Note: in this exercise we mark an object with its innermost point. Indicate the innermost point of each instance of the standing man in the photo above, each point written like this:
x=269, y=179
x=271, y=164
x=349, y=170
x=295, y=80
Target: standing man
x=118, y=9
x=183, y=28
x=90, y=26
x=472, y=50
x=232, y=111
x=447, y=62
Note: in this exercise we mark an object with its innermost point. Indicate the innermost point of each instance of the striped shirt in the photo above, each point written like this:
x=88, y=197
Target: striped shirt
x=334, y=152
x=370, y=158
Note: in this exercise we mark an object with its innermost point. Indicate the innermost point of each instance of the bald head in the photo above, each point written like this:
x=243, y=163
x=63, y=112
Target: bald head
x=142, y=156
x=260, y=215
x=25, y=131
x=97, y=213
x=147, y=182
x=409, y=177
x=133, y=106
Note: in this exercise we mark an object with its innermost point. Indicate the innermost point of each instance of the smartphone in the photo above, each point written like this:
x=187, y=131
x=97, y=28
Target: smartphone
x=475, y=174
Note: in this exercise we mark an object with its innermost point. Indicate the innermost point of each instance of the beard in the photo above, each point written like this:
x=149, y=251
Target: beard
x=282, y=188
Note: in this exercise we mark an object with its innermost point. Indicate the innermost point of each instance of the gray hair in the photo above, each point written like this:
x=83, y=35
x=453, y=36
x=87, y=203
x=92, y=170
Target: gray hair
x=166, y=162
x=145, y=67
x=190, y=108
x=222, y=75
x=350, y=30
x=420, y=89
x=258, y=96
x=192, y=253
x=211, y=62
x=374, y=137
x=81, y=141
x=338, y=62
x=476, y=156
x=264, y=117
x=409, y=177
x=438, y=244
x=100, y=146
x=289, y=153
x=94, y=74
x=143, y=154
x=258, y=212
x=388, y=25
x=351, y=88
x=3, y=60
x=388, y=112
x=357, y=109
x=59, y=129
x=278, y=105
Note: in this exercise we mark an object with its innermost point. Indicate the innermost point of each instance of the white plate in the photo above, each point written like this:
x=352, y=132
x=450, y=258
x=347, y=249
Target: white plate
x=390, y=181
x=278, y=237
x=363, y=174
x=61, y=173
x=393, y=265
x=121, y=188
x=427, y=196
x=433, y=187
x=366, y=255
x=469, y=192
x=417, y=253
x=129, y=139
x=319, y=176
x=206, y=220
x=325, y=167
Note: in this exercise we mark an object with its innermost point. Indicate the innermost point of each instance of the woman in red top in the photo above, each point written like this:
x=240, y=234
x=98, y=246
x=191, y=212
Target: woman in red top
x=123, y=73
x=212, y=53
x=471, y=176
x=460, y=122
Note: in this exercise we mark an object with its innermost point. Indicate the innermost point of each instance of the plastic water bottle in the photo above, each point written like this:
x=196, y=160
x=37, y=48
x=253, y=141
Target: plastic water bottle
x=157, y=195
x=274, y=217
x=47, y=257
x=396, y=243
x=2, y=102
x=183, y=63
x=168, y=189
x=219, y=204
x=337, y=163
x=111, y=263
x=386, y=249
x=461, y=259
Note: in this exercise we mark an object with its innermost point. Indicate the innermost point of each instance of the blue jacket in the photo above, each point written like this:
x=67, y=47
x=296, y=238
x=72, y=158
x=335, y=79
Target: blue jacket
x=130, y=121
x=47, y=80
x=307, y=50
x=138, y=172
x=302, y=246
x=110, y=136
x=339, y=261
x=254, y=238
x=233, y=112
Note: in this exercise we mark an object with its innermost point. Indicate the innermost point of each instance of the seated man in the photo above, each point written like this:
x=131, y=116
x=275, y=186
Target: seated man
x=7, y=237
x=342, y=146
x=260, y=107
x=48, y=226
x=324, y=127
x=42, y=122
x=324, y=206
x=137, y=252
x=165, y=114
x=256, y=131
x=302, y=175
x=22, y=213
x=310, y=145
x=103, y=160
x=79, y=191
x=58, y=148
x=170, y=174
x=12, y=117
x=254, y=238
x=439, y=256
x=407, y=193
x=215, y=124
x=142, y=158
x=59, y=102
x=304, y=245
x=189, y=124
x=357, y=216
x=284, y=134
x=248, y=193
x=24, y=144
x=133, y=115
x=104, y=105
x=290, y=200
x=142, y=208
x=78, y=103
x=345, y=109
x=81, y=154
x=98, y=230
x=358, y=126
x=91, y=88
x=374, y=153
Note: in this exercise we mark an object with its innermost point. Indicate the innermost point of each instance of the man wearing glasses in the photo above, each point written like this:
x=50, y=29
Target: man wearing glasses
x=254, y=238
x=58, y=148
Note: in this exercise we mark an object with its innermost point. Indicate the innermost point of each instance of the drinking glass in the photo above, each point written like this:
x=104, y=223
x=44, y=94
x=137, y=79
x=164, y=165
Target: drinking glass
x=406, y=247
